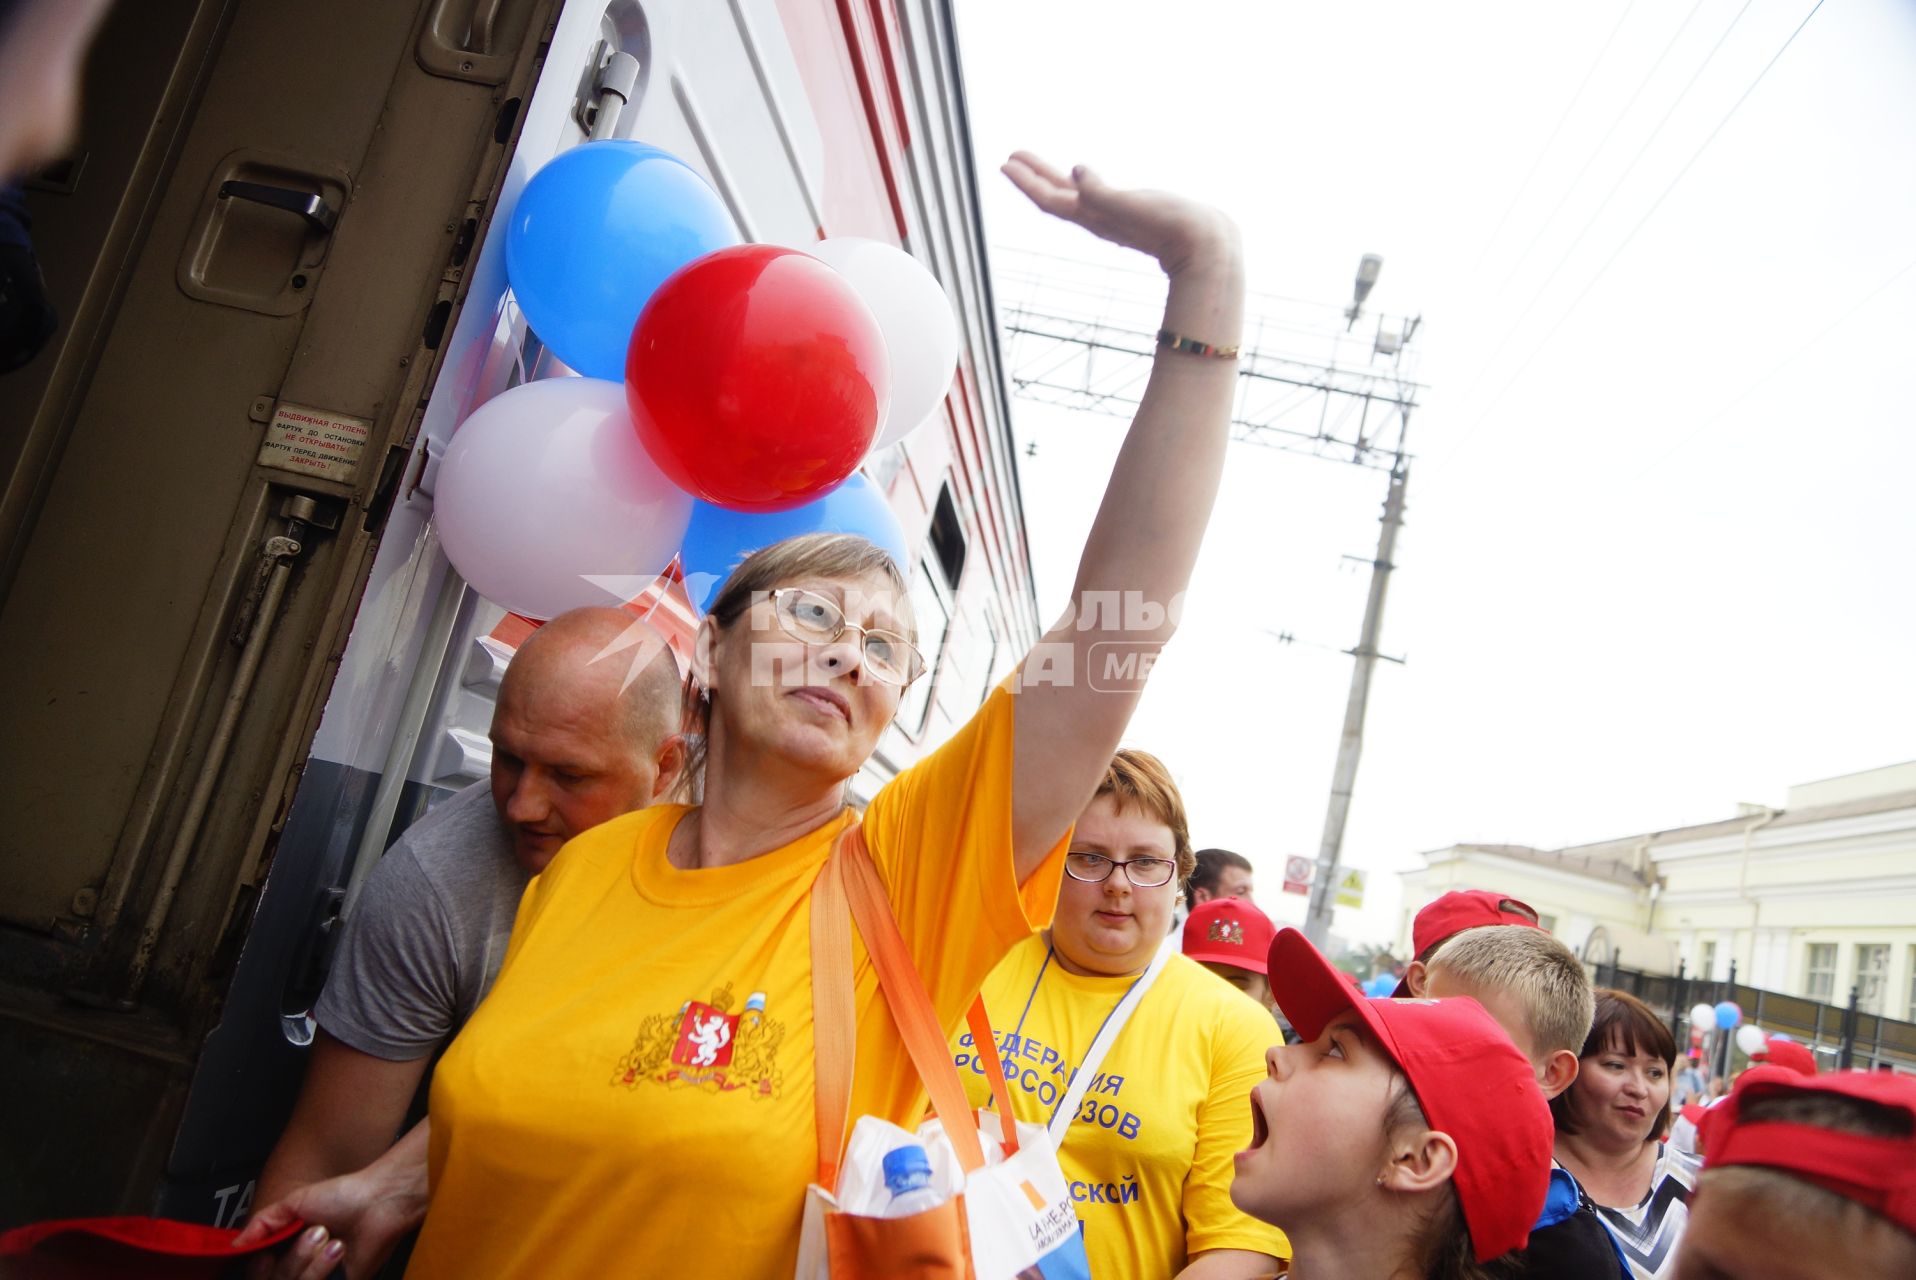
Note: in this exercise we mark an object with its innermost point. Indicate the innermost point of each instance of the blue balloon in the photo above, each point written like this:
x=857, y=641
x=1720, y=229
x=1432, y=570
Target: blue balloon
x=1728, y=1015
x=1380, y=986
x=718, y=538
x=595, y=233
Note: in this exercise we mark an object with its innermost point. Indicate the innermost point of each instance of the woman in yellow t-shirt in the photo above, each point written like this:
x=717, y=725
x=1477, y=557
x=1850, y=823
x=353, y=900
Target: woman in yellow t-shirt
x=635, y=1096
x=1148, y=1148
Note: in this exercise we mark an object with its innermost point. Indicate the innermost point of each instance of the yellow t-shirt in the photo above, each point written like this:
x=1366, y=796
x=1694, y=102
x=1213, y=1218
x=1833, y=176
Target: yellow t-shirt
x=1148, y=1157
x=634, y=1097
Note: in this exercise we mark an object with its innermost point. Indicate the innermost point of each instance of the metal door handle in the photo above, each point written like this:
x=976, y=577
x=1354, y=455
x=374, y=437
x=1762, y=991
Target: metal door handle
x=309, y=205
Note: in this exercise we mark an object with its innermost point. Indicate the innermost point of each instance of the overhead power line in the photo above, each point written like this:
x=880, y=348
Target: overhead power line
x=1617, y=120
x=1576, y=241
x=1773, y=369
x=1544, y=150
x=1631, y=235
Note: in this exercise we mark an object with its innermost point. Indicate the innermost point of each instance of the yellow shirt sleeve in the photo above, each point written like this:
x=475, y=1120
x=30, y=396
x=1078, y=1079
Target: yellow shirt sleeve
x=941, y=835
x=1243, y=1034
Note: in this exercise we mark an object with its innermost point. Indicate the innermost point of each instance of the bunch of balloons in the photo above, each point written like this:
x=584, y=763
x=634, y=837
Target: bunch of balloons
x=728, y=394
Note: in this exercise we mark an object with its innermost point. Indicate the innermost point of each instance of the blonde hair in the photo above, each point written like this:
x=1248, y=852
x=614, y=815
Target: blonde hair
x=808, y=556
x=1140, y=778
x=1547, y=979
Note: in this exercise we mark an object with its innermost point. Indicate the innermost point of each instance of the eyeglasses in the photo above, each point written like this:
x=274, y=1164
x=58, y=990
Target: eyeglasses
x=1095, y=868
x=816, y=619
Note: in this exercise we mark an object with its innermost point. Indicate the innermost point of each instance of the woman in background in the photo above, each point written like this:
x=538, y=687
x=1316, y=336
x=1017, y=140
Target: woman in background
x=1610, y=1127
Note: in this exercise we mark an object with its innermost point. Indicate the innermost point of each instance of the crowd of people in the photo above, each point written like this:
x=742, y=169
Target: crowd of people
x=597, y=966
x=602, y=965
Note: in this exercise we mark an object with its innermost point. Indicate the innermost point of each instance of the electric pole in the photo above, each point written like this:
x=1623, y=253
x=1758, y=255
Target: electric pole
x=1350, y=747
x=1097, y=355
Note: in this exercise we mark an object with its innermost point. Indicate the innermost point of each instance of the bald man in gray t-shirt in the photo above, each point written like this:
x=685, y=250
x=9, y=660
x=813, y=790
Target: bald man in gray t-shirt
x=429, y=933
x=573, y=745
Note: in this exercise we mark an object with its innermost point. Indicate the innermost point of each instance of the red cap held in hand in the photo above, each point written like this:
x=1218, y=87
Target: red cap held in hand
x=1467, y=1075
x=99, y=1248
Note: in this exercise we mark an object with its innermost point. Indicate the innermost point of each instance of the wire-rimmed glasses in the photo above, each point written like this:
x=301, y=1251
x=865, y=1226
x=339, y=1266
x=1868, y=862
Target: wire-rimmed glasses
x=816, y=619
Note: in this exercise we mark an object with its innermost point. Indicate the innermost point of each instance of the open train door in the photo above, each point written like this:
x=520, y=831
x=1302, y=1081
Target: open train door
x=232, y=644
x=256, y=250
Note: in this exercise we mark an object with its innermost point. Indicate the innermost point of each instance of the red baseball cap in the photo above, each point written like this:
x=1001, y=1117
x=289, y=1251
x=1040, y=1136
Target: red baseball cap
x=85, y=1248
x=1787, y=1053
x=1464, y=909
x=1467, y=1075
x=1229, y=931
x=1877, y=1173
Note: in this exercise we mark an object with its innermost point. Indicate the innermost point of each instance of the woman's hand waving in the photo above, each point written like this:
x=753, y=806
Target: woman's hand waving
x=1168, y=227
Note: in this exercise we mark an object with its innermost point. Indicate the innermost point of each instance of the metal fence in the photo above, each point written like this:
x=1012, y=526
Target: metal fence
x=1851, y=1036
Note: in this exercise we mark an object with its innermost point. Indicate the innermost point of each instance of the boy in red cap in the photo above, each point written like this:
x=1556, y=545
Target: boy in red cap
x=1232, y=938
x=1404, y=1137
x=1813, y=1177
x=1449, y=916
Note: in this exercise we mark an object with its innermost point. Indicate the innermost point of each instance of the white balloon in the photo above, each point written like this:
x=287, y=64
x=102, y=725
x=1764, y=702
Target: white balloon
x=1751, y=1038
x=1704, y=1016
x=546, y=485
x=921, y=334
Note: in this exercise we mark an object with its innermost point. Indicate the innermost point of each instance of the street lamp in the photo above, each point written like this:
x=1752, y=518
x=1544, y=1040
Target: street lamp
x=1367, y=268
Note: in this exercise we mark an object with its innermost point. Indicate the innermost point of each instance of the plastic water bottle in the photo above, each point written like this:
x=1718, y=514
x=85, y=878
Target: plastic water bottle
x=908, y=1178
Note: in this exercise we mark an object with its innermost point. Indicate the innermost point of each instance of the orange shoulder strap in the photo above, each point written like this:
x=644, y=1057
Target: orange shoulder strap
x=834, y=1015
x=850, y=878
x=987, y=1048
x=910, y=1004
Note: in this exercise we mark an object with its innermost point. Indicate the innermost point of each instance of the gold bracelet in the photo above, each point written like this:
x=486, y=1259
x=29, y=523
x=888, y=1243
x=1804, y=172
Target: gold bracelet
x=1178, y=342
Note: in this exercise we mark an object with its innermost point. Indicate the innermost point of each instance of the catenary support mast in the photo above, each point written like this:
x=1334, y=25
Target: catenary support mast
x=1351, y=746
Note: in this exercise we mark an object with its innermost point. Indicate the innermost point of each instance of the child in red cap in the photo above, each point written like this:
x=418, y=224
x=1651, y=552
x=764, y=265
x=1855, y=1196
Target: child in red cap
x=1813, y=1177
x=1449, y=916
x=1232, y=938
x=1403, y=1137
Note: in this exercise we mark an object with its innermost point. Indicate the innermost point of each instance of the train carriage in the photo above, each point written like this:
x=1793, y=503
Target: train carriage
x=231, y=681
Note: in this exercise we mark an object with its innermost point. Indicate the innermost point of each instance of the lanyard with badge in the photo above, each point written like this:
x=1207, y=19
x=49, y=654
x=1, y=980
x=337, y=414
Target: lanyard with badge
x=1101, y=1043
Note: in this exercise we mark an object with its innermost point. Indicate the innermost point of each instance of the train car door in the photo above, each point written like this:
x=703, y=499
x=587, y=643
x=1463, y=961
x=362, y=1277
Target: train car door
x=255, y=249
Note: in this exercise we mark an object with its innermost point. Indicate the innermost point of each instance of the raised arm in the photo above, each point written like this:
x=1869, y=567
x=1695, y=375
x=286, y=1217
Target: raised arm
x=1084, y=680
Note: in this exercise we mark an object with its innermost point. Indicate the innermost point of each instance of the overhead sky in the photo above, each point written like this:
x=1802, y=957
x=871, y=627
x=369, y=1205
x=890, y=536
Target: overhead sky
x=1658, y=557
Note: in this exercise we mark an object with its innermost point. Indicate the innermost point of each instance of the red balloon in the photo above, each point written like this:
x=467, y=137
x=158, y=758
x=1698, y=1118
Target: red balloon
x=757, y=378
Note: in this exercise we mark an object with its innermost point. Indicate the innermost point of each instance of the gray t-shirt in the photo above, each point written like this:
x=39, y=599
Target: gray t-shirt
x=428, y=933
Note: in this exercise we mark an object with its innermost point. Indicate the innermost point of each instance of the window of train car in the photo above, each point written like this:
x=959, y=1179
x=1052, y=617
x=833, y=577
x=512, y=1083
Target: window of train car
x=929, y=601
x=987, y=644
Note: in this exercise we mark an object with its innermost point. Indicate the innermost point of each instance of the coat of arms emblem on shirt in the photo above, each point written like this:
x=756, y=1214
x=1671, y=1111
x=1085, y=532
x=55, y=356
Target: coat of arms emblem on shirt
x=1231, y=931
x=707, y=1046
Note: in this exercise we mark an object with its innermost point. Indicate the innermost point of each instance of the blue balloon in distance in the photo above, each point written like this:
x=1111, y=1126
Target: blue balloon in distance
x=718, y=538
x=1728, y=1015
x=595, y=233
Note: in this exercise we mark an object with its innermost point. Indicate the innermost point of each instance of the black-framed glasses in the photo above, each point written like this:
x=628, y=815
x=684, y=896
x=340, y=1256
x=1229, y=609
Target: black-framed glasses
x=1095, y=868
x=816, y=619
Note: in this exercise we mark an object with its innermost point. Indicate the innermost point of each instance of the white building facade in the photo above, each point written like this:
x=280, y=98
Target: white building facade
x=1808, y=900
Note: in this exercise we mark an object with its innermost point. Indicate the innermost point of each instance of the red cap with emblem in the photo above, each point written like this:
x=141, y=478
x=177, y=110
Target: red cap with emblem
x=1467, y=1075
x=1878, y=1173
x=1229, y=931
